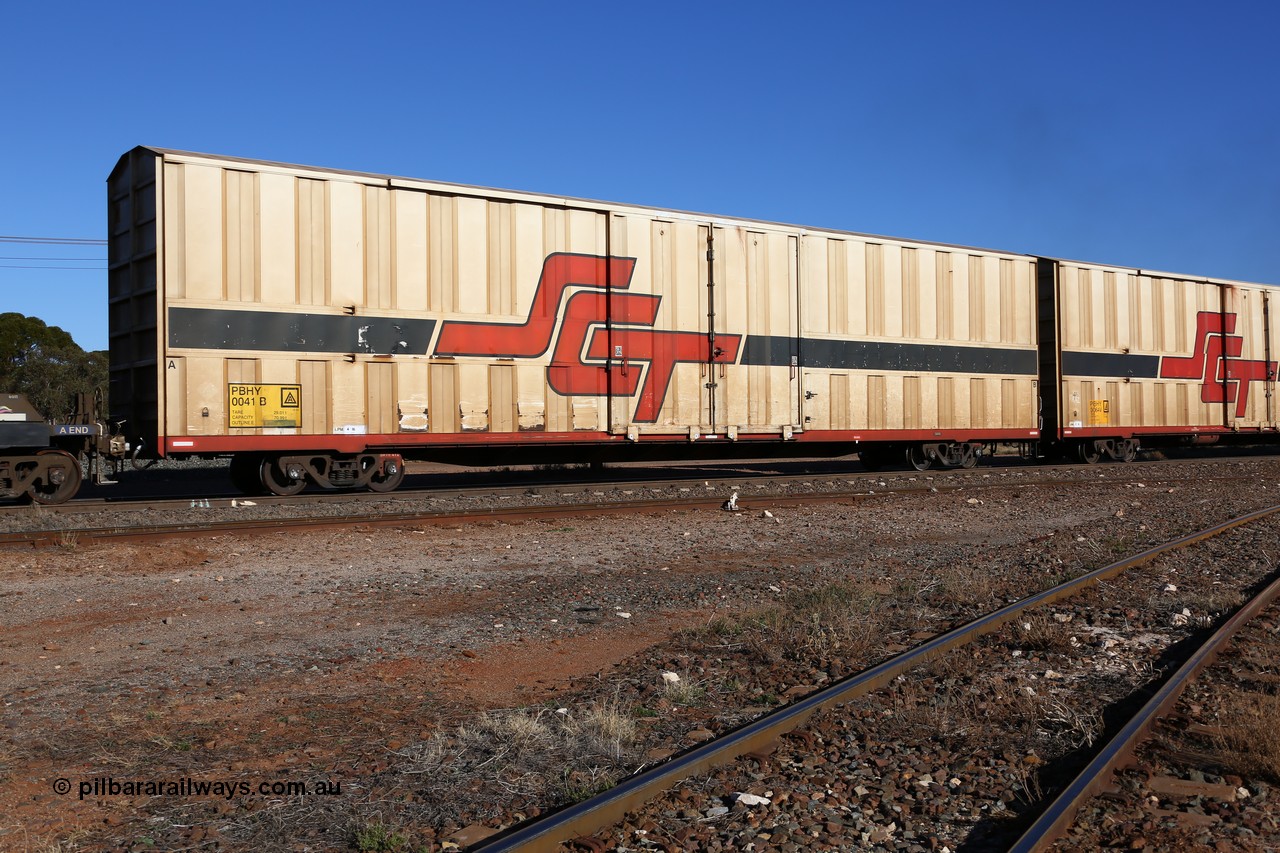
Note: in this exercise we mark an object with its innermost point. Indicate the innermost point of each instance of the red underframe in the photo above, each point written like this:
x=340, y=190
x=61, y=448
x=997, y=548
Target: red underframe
x=1127, y=432
x=213, y=444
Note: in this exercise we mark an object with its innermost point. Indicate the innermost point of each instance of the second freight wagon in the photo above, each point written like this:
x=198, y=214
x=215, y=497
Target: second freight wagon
x=1141, y=357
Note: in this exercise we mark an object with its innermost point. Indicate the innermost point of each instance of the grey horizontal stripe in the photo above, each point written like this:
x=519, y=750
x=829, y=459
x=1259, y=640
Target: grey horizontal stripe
x=24, y=434
x=283, y=331
x=773, y=351
x=1109, y=364
x=879, y=355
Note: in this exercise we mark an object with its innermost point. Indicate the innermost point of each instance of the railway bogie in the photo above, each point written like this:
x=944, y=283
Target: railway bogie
x=289, y=474
x=321, y=326
x=1093, y=450
x=46, y=476
x=923, y=455
x=41, y=461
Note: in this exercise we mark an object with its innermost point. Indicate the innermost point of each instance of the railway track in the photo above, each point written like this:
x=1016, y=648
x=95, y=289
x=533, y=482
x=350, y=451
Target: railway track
x=438, y=486
x=195, y=516
x=1057, y=818
x=578, y=823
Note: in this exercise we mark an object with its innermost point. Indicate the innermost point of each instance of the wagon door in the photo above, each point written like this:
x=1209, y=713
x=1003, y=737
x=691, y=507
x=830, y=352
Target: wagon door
x=1269, y=352
x=702, y=335
x=1246, y=370
x=658, y=343
x=753, y=375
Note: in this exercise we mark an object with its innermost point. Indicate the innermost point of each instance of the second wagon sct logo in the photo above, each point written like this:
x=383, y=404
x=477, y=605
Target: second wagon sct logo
x=589, y=358
x=1216, y=361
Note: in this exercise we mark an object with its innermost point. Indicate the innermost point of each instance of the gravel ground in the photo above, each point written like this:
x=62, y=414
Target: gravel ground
x=954, y=754
x=375, y=658
x=1210, y=776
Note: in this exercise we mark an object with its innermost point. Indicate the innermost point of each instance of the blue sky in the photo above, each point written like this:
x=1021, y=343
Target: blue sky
x=1142, y=133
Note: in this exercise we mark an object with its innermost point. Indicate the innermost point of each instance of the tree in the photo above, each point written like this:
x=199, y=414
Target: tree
x=44, y=363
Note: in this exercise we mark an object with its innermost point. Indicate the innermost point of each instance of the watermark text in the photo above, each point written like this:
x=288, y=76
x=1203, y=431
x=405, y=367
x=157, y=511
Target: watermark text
x=229, y=789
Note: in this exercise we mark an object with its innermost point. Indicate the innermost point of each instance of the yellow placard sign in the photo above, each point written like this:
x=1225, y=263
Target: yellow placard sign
x=1099, y=412
x=253, y=406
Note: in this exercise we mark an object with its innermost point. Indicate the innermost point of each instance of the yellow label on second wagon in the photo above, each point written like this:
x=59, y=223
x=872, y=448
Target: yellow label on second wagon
x=1099, y=412
x=254, y=406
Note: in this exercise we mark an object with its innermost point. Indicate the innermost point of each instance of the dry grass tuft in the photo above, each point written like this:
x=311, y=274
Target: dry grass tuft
x=722, y=629
x=540, y=755
x=70, y=844
x=945, y=702
x=9, y=758
x=1206, y=606
x=686, y=691
x=969, y=588
x=839, y=620
x=1250, y=737
x=607, y=728
x=1040, y=632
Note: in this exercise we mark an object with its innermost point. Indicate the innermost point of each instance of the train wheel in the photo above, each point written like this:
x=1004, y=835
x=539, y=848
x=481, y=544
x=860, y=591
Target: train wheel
x=277, y=481
x=917, y=459
x=384, y=481
x=968, y=458
x=246, y=474
x=1088, y=452
x=1129, y=451
x=61, y=479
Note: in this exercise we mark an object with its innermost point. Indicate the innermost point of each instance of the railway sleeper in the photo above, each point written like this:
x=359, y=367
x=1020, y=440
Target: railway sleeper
x=289, y=474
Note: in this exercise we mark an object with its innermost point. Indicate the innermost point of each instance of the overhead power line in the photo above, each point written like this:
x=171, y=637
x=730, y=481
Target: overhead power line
x=53, y=241
x=20, y=267
x=25, y=258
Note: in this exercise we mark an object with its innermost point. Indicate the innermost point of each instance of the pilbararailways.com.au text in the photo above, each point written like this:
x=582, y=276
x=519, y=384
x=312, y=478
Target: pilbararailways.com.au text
x=110, y=786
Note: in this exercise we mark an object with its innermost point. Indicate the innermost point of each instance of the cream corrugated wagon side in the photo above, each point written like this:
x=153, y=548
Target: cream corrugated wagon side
x=1155, y=358
x=323, y=326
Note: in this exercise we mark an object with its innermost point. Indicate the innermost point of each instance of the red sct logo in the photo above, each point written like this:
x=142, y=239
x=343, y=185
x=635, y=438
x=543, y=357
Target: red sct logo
x=1215, y=360
x=603, y=340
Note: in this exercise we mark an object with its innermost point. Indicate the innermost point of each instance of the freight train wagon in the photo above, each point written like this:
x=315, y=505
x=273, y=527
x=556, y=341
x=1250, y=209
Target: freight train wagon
x=321, y=326
x=1133, y=357
x=40, y=460
x=31, y=466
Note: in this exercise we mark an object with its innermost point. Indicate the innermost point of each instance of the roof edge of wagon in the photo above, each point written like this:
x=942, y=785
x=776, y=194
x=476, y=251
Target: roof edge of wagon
x=570, y=201
x=1153, y=273
x=559, y=199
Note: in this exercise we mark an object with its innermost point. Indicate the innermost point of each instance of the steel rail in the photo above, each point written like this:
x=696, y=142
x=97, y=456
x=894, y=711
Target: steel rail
x=719, y=480
x=591, y=816
x=1055, y=820
x=44, y=538
x=729, y=477
x=276, y=525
